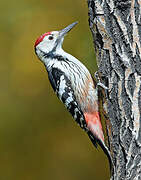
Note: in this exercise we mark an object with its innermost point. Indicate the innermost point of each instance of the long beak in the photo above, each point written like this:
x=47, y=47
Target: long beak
x=64, y=31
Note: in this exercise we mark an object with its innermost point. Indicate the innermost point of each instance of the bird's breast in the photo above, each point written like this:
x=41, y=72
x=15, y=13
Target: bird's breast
x=81, y=83
x=84, y=90
x=86, y=95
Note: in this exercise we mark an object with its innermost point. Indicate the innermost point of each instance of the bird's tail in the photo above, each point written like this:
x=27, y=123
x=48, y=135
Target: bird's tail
x=107, y=152
x=104, y=148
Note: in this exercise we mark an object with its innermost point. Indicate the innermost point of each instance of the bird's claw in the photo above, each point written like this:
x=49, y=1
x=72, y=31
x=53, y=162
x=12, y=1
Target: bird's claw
x=102, y=85
x=99, y=82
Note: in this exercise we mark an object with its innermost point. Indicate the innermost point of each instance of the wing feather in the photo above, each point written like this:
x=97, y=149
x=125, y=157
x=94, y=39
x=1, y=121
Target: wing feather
x=62, y=87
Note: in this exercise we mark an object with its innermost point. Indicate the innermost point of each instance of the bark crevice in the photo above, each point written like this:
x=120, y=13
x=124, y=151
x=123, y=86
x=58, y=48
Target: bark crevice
x=115, y=26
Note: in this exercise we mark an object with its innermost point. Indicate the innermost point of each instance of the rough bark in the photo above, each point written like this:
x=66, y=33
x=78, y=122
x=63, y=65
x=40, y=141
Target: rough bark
x=116, y=30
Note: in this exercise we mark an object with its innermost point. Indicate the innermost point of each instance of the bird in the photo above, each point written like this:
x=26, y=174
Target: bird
x=72, y=83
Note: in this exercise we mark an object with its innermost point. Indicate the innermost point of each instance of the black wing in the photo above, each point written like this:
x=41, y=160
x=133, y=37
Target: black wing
x=62, y=86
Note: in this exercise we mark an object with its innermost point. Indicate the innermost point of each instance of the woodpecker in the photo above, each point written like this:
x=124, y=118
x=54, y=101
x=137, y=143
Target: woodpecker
x=72, y=83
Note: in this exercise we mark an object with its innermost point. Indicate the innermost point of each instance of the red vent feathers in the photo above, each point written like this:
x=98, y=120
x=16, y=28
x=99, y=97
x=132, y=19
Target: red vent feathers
x=41, y=38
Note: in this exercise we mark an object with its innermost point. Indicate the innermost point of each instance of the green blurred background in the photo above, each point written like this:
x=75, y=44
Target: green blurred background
x=38, y=137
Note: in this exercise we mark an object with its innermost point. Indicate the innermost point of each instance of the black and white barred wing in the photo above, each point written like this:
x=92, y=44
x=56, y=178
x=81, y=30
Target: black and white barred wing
x=62, y=86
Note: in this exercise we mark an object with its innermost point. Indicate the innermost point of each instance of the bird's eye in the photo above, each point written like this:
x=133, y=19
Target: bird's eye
x=50, y=37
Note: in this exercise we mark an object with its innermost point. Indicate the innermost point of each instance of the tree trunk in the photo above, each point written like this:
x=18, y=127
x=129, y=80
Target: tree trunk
x=116, y=30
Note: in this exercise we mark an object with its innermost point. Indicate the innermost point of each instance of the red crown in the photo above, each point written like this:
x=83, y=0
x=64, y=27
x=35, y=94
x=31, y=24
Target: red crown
x=41, y=38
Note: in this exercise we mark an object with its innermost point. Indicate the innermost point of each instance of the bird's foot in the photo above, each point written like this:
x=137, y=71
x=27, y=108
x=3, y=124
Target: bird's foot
x=102, y=85
x=99, y=83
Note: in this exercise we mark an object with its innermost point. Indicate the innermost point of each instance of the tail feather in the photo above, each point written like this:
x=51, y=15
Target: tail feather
x=107, y=152
x=104, y=148
x=93, y=140
x=96, y=135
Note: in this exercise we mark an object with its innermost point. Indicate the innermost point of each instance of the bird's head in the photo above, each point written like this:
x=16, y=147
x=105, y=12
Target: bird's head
x=51, y=41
